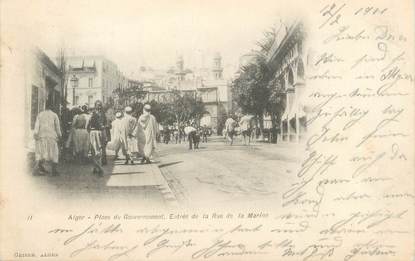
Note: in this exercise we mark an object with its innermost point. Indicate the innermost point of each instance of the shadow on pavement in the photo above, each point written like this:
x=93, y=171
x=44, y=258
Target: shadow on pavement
x=126, y=173
x=169, y=164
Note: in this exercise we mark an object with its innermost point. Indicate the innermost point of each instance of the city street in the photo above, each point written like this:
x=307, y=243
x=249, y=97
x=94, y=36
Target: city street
x=216, y=173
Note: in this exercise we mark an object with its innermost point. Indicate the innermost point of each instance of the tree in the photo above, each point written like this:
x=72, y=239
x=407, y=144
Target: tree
x=179, y=108
x=251, y=89
x=186, y=106
x=254, y=91
x=61, y=63
x=163, y=112
x=268, y=39
x=65, y=114
x=222, y=116
x=129, y=95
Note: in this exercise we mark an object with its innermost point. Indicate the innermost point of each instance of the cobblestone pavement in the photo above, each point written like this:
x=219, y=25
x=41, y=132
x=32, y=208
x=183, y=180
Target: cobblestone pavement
x=220, y=174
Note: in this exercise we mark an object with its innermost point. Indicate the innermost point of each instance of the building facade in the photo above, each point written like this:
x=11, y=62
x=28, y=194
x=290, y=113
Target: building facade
x=210, y=86
x=288, y=59
x=43, y=82
x=206, y=83
x=97, y=78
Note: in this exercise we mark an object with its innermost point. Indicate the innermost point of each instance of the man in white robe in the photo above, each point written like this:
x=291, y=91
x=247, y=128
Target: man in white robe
x=147, y=130
x=47, y=132
x=119, y=136
x=130, y=125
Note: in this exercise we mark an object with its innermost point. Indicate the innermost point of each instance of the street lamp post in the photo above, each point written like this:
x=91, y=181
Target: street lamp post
x=74, y=83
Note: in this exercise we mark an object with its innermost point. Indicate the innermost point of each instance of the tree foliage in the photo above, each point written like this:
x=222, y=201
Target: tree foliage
x=178, y=108
x=163, y=112
x=129, y=95
x=254, y=90
x=187, y=107
x=250, y=89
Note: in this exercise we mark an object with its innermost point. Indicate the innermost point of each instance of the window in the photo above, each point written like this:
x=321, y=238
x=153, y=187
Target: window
x=35, y=106
x=76, y=100
x=90, y=82
x=57, y=100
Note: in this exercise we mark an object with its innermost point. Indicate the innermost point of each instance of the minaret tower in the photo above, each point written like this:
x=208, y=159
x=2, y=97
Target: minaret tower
x=217, y=66
x=180, y=68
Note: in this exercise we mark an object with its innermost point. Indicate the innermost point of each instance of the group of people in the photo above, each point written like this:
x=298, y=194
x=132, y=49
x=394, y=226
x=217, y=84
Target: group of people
x=170, y=133
x=246, y=127
x=89, y=135
x=193, y=135
x=177, y=134
x=134, y=136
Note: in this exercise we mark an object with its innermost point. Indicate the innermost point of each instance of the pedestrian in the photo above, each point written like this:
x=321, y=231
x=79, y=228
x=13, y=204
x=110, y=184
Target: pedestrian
x=131, y=124
x=190, y=131
x=245, y=124
x=224, y=134
x=205, y=133
x=69, y=144
x=230, y=125
x=254, y=131
x=80, y=136
x=166, y=134
x=182, y=134
x=119, y=136
x=147, y=130
x=176, y=134
x=98, y=136
x=47, y=132
x=197, y=136
x=66, y=123
x=160, y=136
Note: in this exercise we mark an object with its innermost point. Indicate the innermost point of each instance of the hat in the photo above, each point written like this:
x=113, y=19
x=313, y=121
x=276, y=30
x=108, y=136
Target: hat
x=147, y=107
x=128, y=109
x=118, y=114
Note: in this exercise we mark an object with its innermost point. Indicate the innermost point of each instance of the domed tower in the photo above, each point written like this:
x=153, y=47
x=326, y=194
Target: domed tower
x=217, y=66
x=180, y=63
x=180, y=68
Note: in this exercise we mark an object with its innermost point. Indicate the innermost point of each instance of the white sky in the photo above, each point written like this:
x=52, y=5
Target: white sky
x=150, y=33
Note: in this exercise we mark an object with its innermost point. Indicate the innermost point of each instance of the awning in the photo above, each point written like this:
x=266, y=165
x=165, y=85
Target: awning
x=89, y=63
x=301, y=112
x=297, y=107
x=287, y=112
x=76, y=64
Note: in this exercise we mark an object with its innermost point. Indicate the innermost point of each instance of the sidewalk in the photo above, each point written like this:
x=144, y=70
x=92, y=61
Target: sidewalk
x=141, y=182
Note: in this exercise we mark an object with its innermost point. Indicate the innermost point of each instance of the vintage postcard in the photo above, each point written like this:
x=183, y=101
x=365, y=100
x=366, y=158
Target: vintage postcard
x=207, y=130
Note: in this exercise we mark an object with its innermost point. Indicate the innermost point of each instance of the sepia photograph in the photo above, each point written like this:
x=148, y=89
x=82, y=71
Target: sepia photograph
x=190, y=122
x=207, y=130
